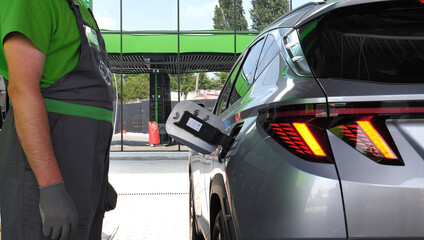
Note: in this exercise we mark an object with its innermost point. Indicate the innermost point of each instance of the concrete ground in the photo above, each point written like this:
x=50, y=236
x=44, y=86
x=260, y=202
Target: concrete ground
x=153, y=194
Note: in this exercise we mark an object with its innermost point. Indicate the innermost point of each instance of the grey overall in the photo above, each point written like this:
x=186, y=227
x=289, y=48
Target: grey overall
x=80, y=111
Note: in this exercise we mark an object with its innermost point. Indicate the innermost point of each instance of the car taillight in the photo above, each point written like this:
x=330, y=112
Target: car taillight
x=377, y=141
x=363, y=136
x=363, y=126
x=302, y=129
x=299, y=137
x=309, y=139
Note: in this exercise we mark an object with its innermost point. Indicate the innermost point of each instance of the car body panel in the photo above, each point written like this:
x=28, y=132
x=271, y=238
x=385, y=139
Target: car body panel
x=201, y=170
x=383, y=200
x=341, y=90
x=280, y=200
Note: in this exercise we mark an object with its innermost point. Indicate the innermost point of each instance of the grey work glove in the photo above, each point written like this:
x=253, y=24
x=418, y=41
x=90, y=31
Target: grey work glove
x=58, y=212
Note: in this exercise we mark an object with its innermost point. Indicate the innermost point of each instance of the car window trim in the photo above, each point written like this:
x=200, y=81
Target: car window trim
x=241, y=66
x=241, y=58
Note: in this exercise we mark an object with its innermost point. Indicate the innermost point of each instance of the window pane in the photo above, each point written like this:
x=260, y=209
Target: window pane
x=371, y=44
x=249, y=66
x=149, y=15
x=245, y=78
x=223, y=99
x=269, y=51
x=116, y=138
x=107, y=14
x=197, y=14
x=136, y=111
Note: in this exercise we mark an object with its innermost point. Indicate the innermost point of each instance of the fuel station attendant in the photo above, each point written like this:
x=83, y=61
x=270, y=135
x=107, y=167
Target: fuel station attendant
x=54, y=145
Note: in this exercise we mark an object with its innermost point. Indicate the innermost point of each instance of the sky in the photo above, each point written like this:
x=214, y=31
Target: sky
x=162, y=14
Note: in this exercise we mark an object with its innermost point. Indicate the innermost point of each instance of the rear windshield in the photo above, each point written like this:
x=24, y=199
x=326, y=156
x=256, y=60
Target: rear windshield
x=381, y=42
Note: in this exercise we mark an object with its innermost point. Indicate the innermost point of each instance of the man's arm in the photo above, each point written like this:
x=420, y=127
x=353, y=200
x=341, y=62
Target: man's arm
x=25, y=64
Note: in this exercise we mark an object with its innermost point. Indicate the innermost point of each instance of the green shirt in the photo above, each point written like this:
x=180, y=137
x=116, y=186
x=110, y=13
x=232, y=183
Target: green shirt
x=52, y=28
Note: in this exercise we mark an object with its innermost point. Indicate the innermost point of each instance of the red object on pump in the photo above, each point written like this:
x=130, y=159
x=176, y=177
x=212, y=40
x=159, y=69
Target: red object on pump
x=154, y=133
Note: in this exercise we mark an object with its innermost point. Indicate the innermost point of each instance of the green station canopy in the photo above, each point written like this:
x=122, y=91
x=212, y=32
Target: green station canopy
x=200, y=51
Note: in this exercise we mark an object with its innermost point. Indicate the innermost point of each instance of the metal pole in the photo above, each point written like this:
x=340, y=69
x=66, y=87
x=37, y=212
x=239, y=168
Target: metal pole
x=122, y=89
x=156, y=96
x=291, y=5
x=178, y=56
x=235, y=30
x=197, y=84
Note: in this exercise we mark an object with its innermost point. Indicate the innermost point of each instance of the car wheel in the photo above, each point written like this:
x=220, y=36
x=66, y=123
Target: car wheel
x=193, y=224
x=219, y=232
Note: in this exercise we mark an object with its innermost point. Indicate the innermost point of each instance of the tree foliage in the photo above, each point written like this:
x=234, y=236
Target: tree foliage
x=208, y=83
x=135, y=86
x=264, y=12
x=187, y=82
x=222, y=77
x=224, y=16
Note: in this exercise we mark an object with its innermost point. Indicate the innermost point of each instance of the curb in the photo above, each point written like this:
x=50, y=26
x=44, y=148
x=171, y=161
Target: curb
x=145, y=156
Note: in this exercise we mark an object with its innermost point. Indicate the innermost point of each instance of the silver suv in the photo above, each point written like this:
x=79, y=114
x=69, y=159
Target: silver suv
x=325, y=112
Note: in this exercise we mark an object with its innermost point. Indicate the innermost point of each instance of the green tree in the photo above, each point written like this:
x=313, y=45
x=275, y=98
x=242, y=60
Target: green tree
x=209, y=83
x=222, y=77
x=264, y=12
x=135, y=86
x=218, y=19
x=224, y=15
x=205, y=82
x=187, y=84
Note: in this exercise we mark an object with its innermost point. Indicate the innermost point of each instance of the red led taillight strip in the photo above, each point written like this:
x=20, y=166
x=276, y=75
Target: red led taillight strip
x=298, y=137
x=377, y=139
x=366, y=139
x=309, y=138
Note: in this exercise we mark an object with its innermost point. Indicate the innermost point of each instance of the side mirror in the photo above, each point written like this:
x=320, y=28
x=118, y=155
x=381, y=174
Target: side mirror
x=197, y=128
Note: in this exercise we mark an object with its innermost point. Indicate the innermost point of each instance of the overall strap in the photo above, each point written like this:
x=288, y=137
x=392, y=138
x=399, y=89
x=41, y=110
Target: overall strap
x=77, y=110
x=73, y=3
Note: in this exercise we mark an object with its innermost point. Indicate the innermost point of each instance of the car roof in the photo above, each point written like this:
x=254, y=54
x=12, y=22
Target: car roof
x=312, y=10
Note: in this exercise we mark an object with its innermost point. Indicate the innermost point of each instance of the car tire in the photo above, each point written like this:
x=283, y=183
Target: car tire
x=219, y=231
x=193, y=224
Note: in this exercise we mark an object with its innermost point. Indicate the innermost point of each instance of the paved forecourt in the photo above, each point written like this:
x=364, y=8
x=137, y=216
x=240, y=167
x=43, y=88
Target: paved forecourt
x=153, y=193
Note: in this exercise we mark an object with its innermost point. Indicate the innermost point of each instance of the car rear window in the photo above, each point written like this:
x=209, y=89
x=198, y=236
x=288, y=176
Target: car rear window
x=381, y=42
